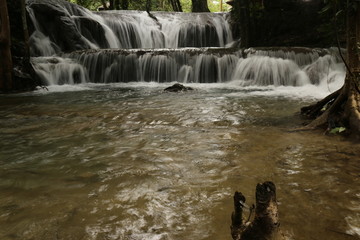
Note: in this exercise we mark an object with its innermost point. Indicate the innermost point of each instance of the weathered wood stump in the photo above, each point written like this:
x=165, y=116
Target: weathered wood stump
x=265, y=224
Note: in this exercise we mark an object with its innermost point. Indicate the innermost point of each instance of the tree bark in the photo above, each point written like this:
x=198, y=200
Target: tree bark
x=111, y=5
x=24, y=77
x=148, y=5
x=241, y=22
x=353, y=36
x=25, y=31
x=5, y=52
x=200, y=6
x=245, y=23
x=352, y=80
x=176, y=5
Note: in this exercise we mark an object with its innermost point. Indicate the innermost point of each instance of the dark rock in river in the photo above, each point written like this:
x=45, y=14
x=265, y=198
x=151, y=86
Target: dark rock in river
x=177, y=87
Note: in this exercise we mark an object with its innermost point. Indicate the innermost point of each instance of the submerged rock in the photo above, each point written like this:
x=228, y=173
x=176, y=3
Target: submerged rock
x=177, y=87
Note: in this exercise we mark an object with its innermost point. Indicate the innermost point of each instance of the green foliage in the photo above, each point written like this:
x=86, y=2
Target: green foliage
x=156, y=5
x=333, y=16
x=90, y=4
x=337, y=130
x=214, y=5
x=186, y=5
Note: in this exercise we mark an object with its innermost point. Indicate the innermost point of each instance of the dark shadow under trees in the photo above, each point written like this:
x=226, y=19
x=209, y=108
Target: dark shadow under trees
x=340, y=110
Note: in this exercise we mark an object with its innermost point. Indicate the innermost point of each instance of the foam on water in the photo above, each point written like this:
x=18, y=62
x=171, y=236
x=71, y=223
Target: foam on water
x=297, y=72
x=58, y=71
x=354, y=225
x=255, y=75
x=232, y=89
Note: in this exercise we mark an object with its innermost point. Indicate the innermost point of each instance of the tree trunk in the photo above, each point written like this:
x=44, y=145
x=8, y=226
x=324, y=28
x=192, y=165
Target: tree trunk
x=124, y=4
x=352, y=80
x=245, y=23
x=112, y=5
x=104, y=3
x=25, y=31
x=5, y=52
x=24, y=77
x=148, y=5
x=200, y=6
x=342, y=107
x=241, y=22
x=353, y=37
x=176, y=5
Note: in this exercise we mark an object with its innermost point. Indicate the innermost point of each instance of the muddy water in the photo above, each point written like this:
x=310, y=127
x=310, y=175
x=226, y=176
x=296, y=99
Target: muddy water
x=132, y=162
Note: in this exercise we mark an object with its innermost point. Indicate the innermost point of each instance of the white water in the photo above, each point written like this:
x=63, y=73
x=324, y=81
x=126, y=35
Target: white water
x=130, y=29
x=41, y=44
x=136, y=29
x=117, y=130
x=58, y=71
x=324, y=75
x=296, y=73
x=307, y=92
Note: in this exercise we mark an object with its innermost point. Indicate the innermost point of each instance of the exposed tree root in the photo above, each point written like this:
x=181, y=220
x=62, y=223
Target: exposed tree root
x=315, y=110
x=338, y=110
x=352, y=110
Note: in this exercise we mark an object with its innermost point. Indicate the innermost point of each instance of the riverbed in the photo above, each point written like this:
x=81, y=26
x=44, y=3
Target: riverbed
x=129, y=161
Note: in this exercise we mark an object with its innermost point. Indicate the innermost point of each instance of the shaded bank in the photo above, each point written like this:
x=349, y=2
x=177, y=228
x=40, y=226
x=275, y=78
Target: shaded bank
x=281, y=23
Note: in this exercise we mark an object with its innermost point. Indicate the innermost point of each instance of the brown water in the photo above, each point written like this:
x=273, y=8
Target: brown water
x=136, y=163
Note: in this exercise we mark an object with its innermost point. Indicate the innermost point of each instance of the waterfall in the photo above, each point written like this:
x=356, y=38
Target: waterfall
x=106, y=66
x=57, y=70
x=67, y=27
x=200, y=66
x=262, y=71
x=71, y=45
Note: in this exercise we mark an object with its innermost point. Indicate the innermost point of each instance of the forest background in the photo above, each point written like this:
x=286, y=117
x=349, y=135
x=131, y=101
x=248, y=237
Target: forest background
x=156, y=5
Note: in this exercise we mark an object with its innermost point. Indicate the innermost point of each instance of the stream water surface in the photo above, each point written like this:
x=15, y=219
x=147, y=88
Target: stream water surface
x=129, y=161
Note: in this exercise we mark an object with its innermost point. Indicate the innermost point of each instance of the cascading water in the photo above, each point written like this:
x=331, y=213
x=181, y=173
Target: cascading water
x=136, y=29
x=134, y=46
x=130, y=161
x=70, y=27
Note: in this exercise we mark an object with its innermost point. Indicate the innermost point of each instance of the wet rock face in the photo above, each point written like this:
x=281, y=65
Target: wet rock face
x=60, y=20
x=177, y=87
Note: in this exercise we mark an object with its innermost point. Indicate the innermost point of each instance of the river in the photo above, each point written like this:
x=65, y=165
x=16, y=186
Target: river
x=129, y=161
x=107, y=154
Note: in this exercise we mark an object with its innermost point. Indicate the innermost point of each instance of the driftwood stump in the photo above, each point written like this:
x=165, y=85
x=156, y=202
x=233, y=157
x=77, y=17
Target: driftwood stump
x=265, y=224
